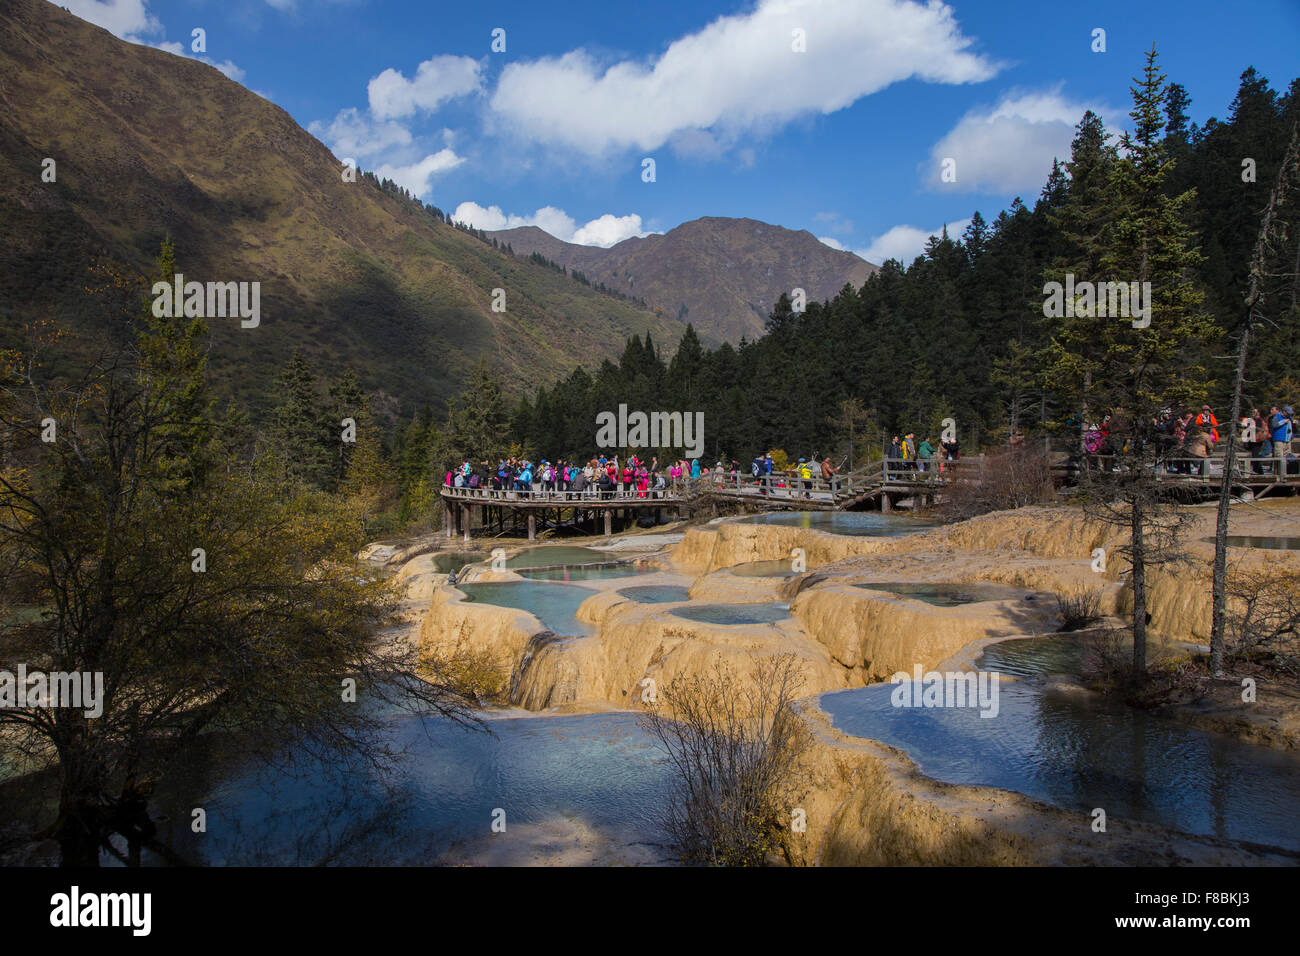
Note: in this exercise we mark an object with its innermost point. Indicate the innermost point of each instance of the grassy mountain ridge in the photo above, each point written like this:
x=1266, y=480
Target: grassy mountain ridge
x=719, y=273
x=147, y=144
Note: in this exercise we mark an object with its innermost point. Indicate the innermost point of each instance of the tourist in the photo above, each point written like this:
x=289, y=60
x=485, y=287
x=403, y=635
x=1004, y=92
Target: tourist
x=1208, y=423
x=1199, y=448
x=909, y=452
x=828, y=475
x=805, y=477
x=1281, y=431
x=924, y=452
x=893, y=459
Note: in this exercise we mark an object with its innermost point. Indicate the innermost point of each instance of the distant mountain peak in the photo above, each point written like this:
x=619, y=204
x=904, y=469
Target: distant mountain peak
x=719, y=273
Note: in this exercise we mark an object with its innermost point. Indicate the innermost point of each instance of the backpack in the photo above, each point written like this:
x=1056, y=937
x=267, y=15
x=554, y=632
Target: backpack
x=460, y=480
x=1092, y=442
x=754, y=469
x=473, y=480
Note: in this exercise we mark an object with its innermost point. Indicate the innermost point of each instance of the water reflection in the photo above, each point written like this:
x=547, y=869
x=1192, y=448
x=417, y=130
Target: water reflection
x=1082, y=752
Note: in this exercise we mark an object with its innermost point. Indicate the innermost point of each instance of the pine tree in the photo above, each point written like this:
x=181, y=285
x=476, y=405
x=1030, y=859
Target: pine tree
x=1136, y=233
x=302, y=435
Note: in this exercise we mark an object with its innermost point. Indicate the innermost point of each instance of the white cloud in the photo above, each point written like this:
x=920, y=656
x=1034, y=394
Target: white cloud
x=737, y=74
x=127, y=19
x=608, y=230
x=832, y=242
x=227, y=67
x=1009, y=148
x=905, y=243
x=436, y=80
x=604, y=231
x=352, y=134
x=417, y=176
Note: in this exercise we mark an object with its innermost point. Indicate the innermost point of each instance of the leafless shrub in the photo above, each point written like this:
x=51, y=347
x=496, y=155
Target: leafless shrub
x=1079, y=608
x=1000, y=481
x=1264, y=617
x=732, y=743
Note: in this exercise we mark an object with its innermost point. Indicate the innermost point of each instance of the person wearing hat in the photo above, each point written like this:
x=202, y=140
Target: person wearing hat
x=805, y=477
x=1208, y=423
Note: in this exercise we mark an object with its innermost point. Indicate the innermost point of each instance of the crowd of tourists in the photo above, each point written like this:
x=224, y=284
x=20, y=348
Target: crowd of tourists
x=1187, y=439
x=906, y=454
x=605, y=476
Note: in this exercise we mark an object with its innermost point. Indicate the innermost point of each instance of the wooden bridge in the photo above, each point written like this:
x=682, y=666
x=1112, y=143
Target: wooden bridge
x=884, y=485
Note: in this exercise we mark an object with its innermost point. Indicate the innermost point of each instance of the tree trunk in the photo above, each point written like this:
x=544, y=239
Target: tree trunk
x=79, y=827
x=1138, y=559
x=1220, y=587
x=1254, y=295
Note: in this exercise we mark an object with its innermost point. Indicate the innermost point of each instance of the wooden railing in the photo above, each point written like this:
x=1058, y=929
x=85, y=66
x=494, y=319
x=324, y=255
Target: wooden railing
x=558, y=496
x=879, y=477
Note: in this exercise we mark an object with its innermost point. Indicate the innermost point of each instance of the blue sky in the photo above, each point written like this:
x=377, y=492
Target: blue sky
x=845, y=138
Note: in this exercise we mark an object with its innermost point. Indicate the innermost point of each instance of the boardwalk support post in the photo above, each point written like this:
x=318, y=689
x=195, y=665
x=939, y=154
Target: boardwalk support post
x=532, y=526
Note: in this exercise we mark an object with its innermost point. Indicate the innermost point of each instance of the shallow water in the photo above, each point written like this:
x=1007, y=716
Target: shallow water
x=656, y=593
x=765, y=569
x=552, y=604
x=550, y=556
x=601, y=770
x=733, y=613
x=855, y=523
x=449, y=561
x=947, y=595
x=588, y=572
x=1263, y=541
x=1080, y=752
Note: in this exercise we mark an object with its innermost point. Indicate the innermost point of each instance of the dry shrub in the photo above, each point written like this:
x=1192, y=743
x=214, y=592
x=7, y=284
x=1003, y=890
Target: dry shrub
x=1079, y=608
x=1263, y=622
x=1108, y=668
x=476, y=673
x=732, y=744
x=1002, y=480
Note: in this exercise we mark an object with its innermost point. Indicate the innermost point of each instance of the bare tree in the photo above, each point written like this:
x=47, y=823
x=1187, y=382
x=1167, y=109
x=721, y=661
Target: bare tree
x=732, y=743
x=1272, y=234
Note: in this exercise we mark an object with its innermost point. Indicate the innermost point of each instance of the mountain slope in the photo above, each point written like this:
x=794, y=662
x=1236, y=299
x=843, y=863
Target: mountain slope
x=722, y=275
x=148, y=144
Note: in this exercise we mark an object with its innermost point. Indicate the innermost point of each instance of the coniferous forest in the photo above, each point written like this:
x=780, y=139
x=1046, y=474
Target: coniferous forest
x=960, y=332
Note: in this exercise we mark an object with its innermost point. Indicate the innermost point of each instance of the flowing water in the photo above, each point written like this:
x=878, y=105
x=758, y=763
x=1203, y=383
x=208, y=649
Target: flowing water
x=1081, y=752
x=855, y=523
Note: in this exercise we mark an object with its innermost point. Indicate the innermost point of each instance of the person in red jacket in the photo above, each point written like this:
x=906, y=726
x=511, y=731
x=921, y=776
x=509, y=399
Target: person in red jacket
x=1209, y=423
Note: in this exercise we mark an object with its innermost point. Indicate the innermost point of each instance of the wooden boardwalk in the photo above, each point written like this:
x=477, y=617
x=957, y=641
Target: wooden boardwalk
x=883, y=486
